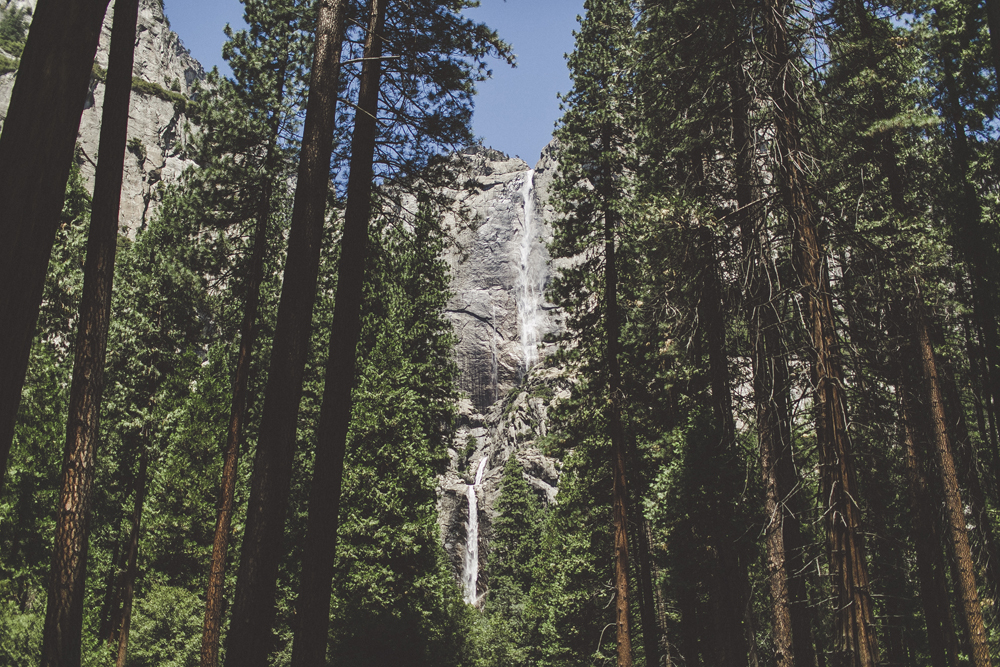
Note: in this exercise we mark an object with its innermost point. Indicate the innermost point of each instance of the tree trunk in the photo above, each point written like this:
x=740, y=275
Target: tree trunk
x=126, y=587
x=965, y=579
x=250, y=635
x=212, y=628
x=612, y=327
x=970, y=235
x=854, y=629
x=983, y=537
x=313, y=608
x=36, y=151
x=930, y=570
x=791, y=631
x=728, y=604
x=64, y=612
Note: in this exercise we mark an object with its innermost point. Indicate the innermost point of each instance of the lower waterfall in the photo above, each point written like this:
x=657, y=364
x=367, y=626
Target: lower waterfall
x=470, y=569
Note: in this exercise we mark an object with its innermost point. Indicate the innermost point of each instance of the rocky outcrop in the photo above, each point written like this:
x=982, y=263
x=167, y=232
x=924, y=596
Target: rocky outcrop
x=159, y=128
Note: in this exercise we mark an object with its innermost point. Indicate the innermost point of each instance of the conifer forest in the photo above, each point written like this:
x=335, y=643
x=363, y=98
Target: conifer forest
x=294, y=371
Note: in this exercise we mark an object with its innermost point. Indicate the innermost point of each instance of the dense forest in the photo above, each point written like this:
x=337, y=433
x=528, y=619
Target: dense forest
x=774, y=398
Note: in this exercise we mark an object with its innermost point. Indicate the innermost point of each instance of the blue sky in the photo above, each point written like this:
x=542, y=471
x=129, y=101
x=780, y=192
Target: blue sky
x=515, y=111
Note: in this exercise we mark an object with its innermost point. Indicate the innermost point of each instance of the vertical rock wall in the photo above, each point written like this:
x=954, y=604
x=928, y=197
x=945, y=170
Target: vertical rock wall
x=505, y=411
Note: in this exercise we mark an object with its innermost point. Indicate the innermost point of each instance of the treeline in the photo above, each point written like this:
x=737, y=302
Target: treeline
x=782, y=444
x=782, y=303
x=254, y=393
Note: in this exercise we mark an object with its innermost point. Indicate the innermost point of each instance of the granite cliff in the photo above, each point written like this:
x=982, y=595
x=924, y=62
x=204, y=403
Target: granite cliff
x=159, y=127
x=500, y=228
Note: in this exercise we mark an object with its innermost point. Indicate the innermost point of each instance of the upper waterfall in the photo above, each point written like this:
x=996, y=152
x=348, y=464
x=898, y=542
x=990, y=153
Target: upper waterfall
x=531, y=276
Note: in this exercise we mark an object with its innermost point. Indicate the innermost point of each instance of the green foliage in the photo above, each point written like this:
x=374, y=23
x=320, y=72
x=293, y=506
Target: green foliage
x=392, y=579
x=166, y=628
x=13, y=30
x=502, y=634
x=144, y=87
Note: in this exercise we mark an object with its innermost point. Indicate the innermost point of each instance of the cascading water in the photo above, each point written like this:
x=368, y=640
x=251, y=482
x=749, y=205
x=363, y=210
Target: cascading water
x=531, y=277
x=470, y=569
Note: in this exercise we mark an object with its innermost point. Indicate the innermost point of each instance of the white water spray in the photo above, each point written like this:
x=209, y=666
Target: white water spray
x=470, y=569
x=530, y=278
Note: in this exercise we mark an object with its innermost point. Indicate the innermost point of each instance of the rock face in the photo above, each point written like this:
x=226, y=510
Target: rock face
x=493, y=244
x=159, y=129
x=498, y=271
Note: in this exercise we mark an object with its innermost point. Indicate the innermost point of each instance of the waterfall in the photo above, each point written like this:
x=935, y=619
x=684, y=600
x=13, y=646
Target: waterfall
x=470, y=569
x=493, y=352
x=530, y=278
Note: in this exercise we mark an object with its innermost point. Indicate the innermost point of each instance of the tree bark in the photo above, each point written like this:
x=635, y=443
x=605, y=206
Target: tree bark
x=791, y=631
x=930, y=567
x=36, y=151
x=854, y=631
x=212, y=627
x=126, y=588
x=965, y=579
x=250, y=635
x=983, y=538
x=731, y=645
x=64, y=612
x=313, y=608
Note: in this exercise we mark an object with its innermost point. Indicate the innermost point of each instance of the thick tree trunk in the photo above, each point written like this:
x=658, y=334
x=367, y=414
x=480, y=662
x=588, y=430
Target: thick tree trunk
x=250, y=635
x=965, y=579
x=36, y=151
x=313, y=607
x=854, y=631
x=930, y=570
x=214, y=599
x=64, y=612
x=126, y=588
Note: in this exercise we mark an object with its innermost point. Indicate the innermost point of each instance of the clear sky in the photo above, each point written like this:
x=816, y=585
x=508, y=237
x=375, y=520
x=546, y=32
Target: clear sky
x=515, y=111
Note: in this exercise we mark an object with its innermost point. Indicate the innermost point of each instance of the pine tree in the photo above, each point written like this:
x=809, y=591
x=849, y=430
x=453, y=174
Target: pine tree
x=855, y=637
x=245, y=117
x=593, y=132
x=510, y=569
x=313, y=605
